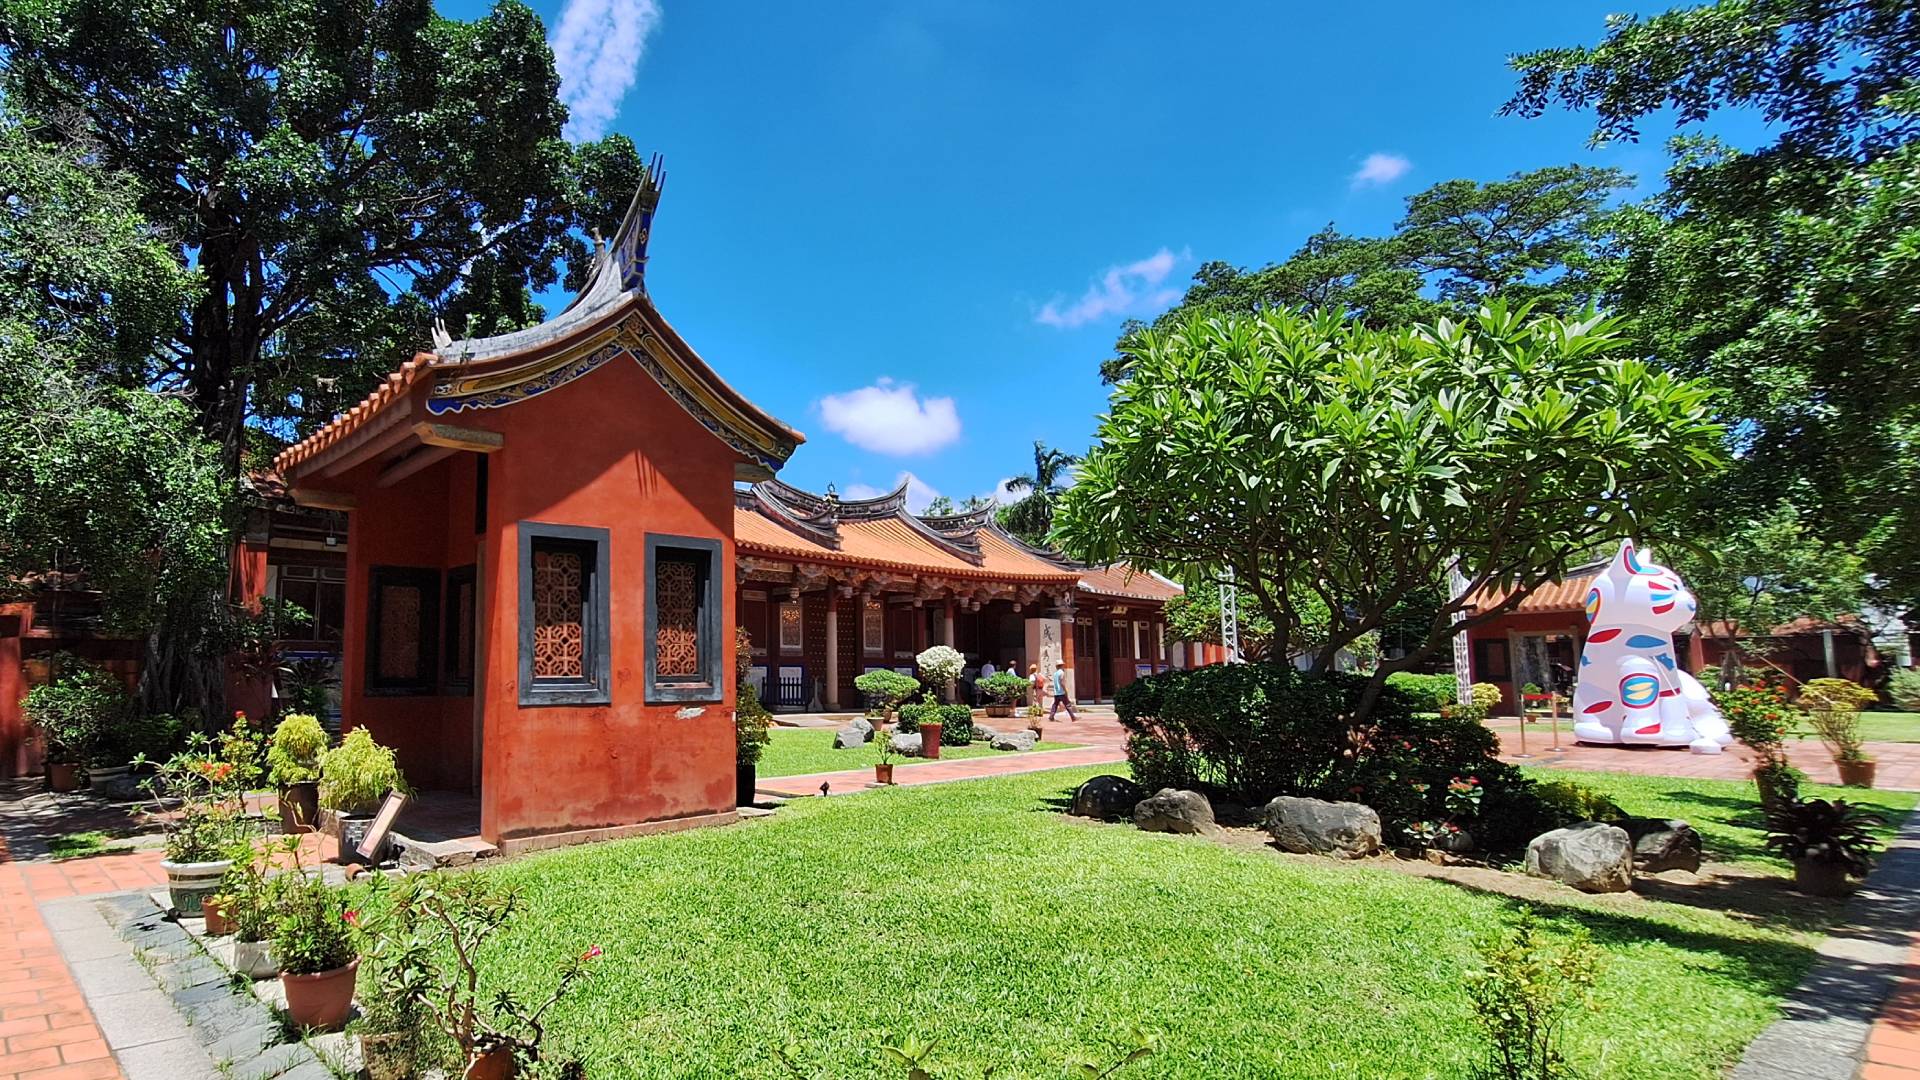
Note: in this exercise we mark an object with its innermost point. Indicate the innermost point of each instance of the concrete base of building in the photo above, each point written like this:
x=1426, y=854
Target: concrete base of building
x=516, y=845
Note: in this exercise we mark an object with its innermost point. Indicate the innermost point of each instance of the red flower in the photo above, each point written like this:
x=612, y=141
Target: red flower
x=592, y=954
x=352, y=916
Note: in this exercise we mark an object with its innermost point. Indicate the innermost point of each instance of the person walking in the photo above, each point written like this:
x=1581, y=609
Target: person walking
x=1060, y=693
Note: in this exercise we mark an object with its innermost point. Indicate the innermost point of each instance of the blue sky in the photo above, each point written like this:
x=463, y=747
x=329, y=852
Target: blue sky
x=911, y=229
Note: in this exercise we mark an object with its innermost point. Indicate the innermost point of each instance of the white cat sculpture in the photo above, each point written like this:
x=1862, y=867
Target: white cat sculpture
x=1630, y=689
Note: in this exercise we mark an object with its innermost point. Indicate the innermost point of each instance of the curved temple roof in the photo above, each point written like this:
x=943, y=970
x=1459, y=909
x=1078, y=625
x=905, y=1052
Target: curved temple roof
x=612, y=319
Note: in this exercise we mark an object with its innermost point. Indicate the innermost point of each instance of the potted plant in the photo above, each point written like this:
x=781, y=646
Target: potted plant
x=883, y=768
x=393, y=1024
x=1759, y=718
x=72, y=710
x=939, y=667
x=751, y=724
x=248, y=900
x=1034, y=713
x=354, y=777
x=1827, y=842
x=885, y=689
x=1004, y=688
x=203, y=829
x=1833, y=710
x=312, y=940
x=435, y=964
x=293, y=765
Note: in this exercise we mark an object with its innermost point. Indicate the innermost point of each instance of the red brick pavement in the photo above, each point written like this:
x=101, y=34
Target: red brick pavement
x=1899, y=768
x=1893, y=1046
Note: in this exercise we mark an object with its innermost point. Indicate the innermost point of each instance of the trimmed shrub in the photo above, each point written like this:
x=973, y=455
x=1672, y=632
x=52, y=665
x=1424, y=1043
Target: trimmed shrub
x=1430, y=693
x=1250, y=732
x=1903, y=686
x=956, y=721
x=885, y=688
x=1571, y=801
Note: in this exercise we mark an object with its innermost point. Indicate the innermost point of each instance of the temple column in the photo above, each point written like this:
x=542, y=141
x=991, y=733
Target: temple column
x=833, y=649
x=948, y=639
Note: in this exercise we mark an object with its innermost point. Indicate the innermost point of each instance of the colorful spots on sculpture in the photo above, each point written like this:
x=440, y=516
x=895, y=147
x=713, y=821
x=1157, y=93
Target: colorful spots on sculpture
x=1666, y=660
x=1634, y=564
x=1593, y=604
x=1597, y=707
x=1650, y=729
x=1660, y=596
x=1646, y=641
x=1599, y=636
x=1639, y=691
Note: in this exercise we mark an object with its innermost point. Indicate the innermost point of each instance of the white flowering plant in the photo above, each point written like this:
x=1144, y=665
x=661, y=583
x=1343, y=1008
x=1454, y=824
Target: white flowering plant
x=940, y=665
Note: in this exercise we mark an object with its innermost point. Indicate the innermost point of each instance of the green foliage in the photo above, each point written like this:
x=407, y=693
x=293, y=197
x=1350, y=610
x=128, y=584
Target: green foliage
x=294, y=756
x=1833, y=710
x=1195, y=616
x=1031, y=518
x=1429, y=693
x=1484, y=695
x=799, y=751
x=1749, y=577
x=357, y=774
x=885, y=688
x=251, y=891
x=1903, y=686
x=312, y=933
x=1572, y=801
x=1835, y=695
x=1524, y=994
x=939, y=666
x=199, y=797
x=1251, y=732
x=243, y=750
x=75, y=709
x=141, y=734
x=752, y=723
x=956, y=721
x=1321, y=461
x=1004, y=687
x=1837, y=833
x=1758, y=716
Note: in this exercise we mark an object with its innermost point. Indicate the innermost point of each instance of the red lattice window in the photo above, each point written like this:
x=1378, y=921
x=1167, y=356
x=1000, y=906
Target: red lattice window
x=403, y=642
x=559, y=595
x=683, y=610
x=676, y=599
x=399, y=632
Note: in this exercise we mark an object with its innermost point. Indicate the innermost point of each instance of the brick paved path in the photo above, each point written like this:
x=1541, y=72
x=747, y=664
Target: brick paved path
x=1899, y=762
x=1893, y=1045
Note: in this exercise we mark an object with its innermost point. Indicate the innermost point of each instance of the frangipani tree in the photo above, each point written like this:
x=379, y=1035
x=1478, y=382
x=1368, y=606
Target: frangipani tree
x=1330, y=467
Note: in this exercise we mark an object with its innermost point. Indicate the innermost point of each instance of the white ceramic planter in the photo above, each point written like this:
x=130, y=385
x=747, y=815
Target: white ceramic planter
x=188, y=884
x=254, y=959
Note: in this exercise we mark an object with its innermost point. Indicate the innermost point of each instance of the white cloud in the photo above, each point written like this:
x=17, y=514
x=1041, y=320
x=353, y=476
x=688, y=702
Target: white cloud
x=889, y=418
x=1133, y=289
x=1380, y=169
x=596, y=50
x=919, y=492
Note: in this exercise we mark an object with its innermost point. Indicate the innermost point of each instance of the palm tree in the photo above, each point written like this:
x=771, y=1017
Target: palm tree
x=1032, y=517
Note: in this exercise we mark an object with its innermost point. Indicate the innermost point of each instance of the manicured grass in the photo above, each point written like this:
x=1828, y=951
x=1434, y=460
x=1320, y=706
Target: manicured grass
x=980, y=915
x=1725, y=814
x=798, y=751
x=76, y=845
x=1879, y=725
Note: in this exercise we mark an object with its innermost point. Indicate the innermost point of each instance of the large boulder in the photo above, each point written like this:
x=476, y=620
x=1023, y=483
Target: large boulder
x=1591, y=856
x=858, y=733
x=983, y=733
x=1175, y=811
x=1661, y=844
x=1345, y=830
x=1015, y=740
x=1107, y=797
x=906, y=744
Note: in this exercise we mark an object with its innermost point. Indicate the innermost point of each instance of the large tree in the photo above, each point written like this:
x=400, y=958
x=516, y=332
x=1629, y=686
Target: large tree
x=1322, y=465
x=1031, y=516
x=339, y=175
x=1785, y=273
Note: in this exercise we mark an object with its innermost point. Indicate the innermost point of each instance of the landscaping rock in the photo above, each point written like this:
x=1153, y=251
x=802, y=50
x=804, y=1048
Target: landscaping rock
x=858, y=733
x=906, y=744
x=1345, y=830
x=1015, y=740
x=983, y=733
x=1107, y=797
x=1591, y=856
x=1661, y=844
x=1175, y=811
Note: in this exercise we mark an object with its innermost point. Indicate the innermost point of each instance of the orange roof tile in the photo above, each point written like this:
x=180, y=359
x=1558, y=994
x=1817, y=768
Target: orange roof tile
x=1123, y=580
x=1569, y=594
x=892, y=543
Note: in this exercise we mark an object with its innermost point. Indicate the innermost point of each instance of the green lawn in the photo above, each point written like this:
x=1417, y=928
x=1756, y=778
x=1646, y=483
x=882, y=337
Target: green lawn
x=798, y=751
x=980, y=915
x=1880, y=726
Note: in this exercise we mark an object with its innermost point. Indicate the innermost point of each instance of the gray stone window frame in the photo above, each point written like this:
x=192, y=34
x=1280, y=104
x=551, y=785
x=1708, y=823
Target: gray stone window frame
x=596, y=625
x=708, y=687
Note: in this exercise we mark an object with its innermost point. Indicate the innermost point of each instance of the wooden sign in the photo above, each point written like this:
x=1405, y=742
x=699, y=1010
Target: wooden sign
x=377, y=832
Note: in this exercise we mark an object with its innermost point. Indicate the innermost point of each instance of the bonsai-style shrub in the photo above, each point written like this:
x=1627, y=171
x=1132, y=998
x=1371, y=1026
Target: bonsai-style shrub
x=885, y=689
x=357, y=774
x=1833, y=709
x=1430, y=693
x=75, y=709
x=1251, y=732
x=1837, y=833
x=1523, y=995
x=1903, y=686
x=1004, y=687
x=940, y=666
x=1482, y=699
x=294, y=755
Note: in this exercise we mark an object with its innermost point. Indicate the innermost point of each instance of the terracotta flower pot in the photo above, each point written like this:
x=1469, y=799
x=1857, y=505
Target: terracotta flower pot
x=930, y=740
x=63, y=776
x=321, y=1000
x=1857, y=773
x=219, y=921
x=883, y=772
x=999, y=711
x=1816, y=878
x=300, y=807
x=492, y=1065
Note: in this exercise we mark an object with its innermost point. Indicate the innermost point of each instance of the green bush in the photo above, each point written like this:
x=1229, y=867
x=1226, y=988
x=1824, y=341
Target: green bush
x=1571, y=801
x=1250, y=732
x=294, y=756
x=956, y=721
x=1004, y=687
x=82, y=702
x=885, y=688
x=1903, y=686
x=1430, y=693
x=148, y=736
x=1524, y=994
x=357, y=774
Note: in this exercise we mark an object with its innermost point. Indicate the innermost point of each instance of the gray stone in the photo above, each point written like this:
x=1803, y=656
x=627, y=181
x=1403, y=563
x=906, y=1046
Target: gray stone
x=172, y=1059
x=857, y=733
x=1590, y=856
x=1175, y=811
x=983, y=733
x=129, y=1020
x=1663, y=844
x=1015, y=740
x=1345, y=830
x=905, y=744
x=110, y=975
x=1107, y=797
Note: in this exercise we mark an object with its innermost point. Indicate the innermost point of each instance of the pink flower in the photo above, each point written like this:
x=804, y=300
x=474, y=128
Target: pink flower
x=352, y=916
x=592, y=954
